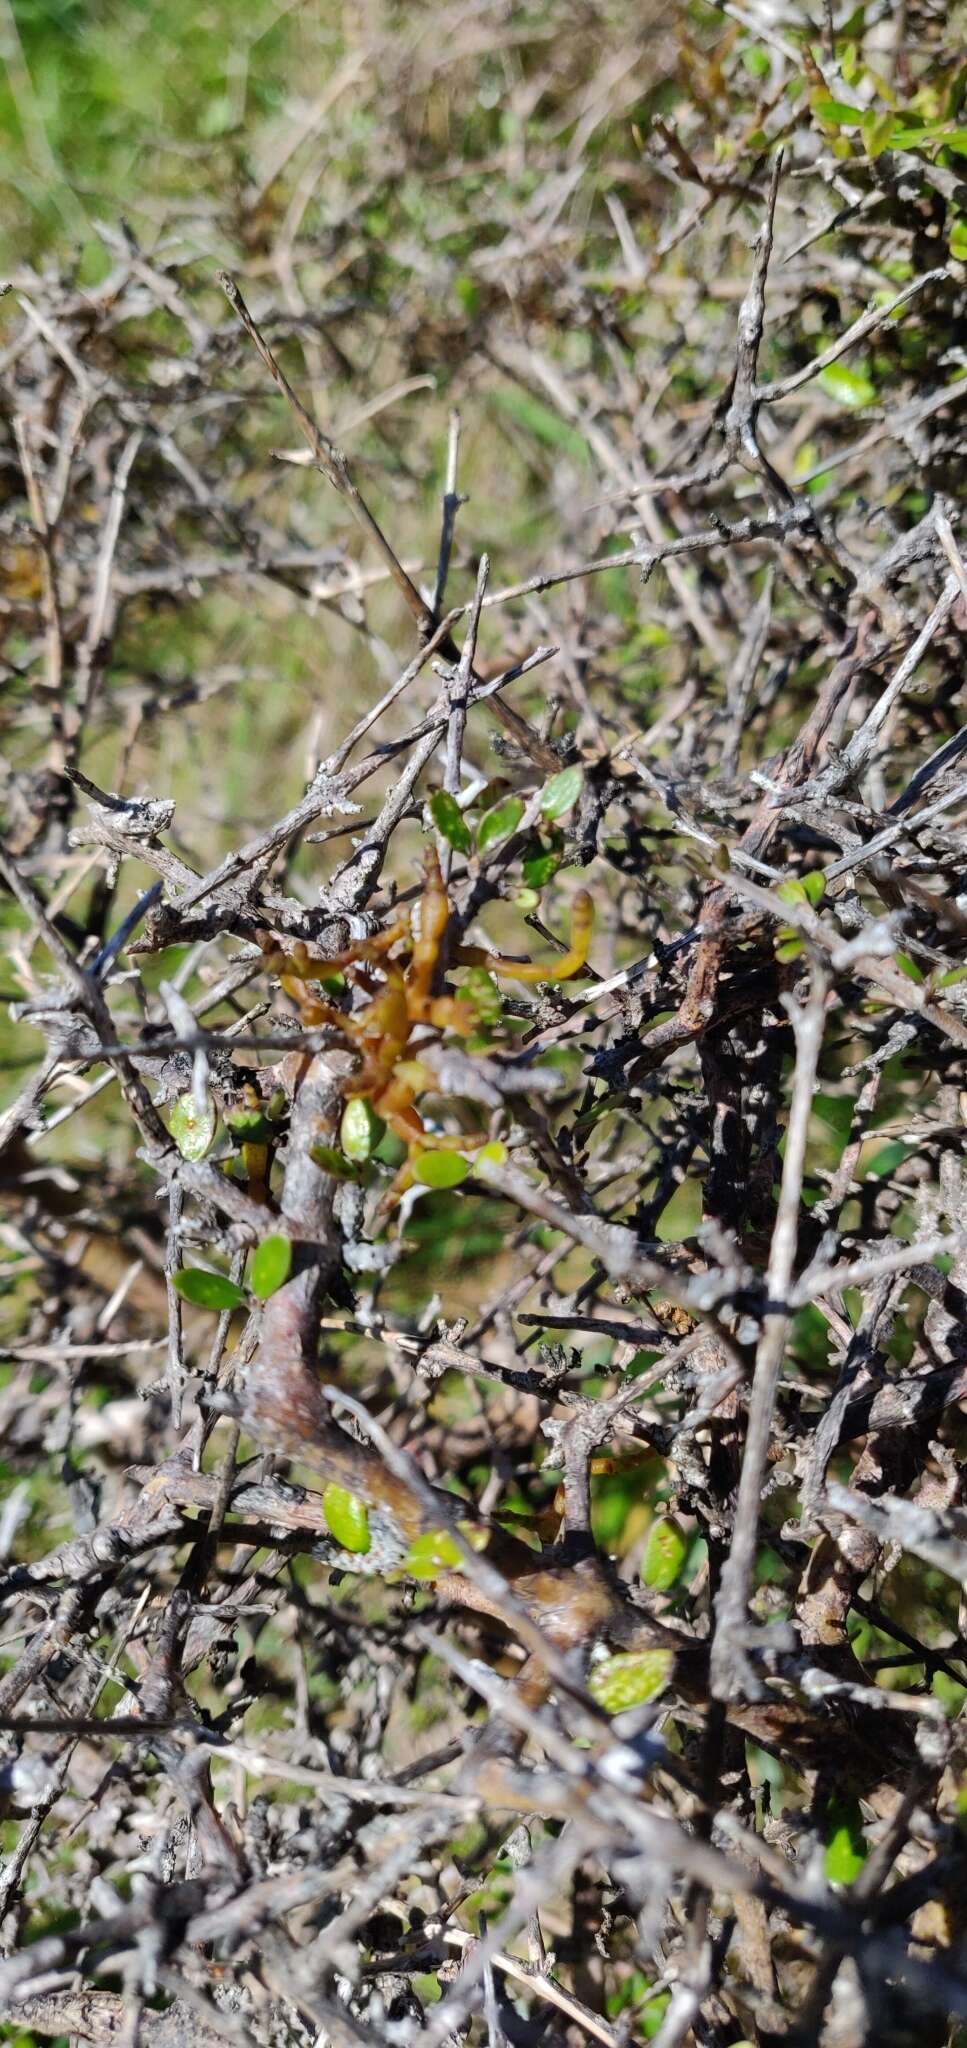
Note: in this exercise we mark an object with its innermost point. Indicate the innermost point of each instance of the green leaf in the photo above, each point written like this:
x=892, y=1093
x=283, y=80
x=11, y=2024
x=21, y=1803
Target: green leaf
x=270, y=1266
x=665, y=1553
x=877, y=132
x=563, y=790
x=538, y=868
x=499, y=823
x=807, y=889
x=908, y=967
x=838, y=112
x=789, y=945
x=756, y=61
x=958, y=239
x=193, y=1133
x=848, y=387
x=541, y=421
x=333, y=1162
x=846, y=1849
x=629, y=1678
x=361, y=1129
x=435, y=1551
x=250, y=1126
x=482, y=991
x=347, y=1518
x=207, y=1290
x=450, y=821
x=440, y=1169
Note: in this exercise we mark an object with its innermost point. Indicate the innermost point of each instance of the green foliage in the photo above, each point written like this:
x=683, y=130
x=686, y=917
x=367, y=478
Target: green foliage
x=347, y=1518
x=205, y=1289
x=360, y=1129
x=450, y=821
x=271, y=1266
x=845, y=1843
x=440, y=1169
x=560, y=794
x=499, y=823
x=629, y=1678
x=666, y=1553
x=192, y=1130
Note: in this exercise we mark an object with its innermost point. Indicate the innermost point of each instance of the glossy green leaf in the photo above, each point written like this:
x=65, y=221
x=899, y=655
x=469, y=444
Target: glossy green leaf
x=629, y=1679
x=846, y=1849
x=441, y=1169
x=192, y=1132
x=435, y=1550
x=908, y=967
x=271, y=1266
x=803, y=889
x=207, y=1290
x=838, y=113
x=333, y=1162
x=877, y=132
x=347, y=1518
x=360, y=1129
x=250, y=1126
x=499, y=823
x=482, y=991
x=848, y=387
x=563, y=790
x=538, y=868
x=450, y=821
x=665, y=1553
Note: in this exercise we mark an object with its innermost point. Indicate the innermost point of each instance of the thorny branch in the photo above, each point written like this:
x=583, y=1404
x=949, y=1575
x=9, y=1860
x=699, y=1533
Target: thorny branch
x=485, y=1237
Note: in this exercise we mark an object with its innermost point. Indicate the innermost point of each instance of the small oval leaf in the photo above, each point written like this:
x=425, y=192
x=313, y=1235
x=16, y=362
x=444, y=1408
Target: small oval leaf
x=435, y=1550
x=499, y=823
x=665, y=1554
x=481, y=990
x=440, y=1169
x=207, y=1290
x=561, y=792
x=847, y=387
x=192, y=1132
x=629, y=1679
x=250, y=1126
x=271, y=1266
x=450, y=821
x=333, y=1163
x=538, y=868
x=846, y=1846
x=361, y=1129
x=347, y=1517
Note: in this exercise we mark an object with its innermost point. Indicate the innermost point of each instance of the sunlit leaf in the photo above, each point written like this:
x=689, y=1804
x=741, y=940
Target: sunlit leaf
x=563, y=790
x=347, y=1518
x=271, y=1266
x=629, y=1678
x=846, y=1848
x=848, y=387
x=192, y=1130
x=665, y=1553
x=207, y=1290
x=450, y=821
x=499, y=823
x=360, y=1129
x=440, y=1169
